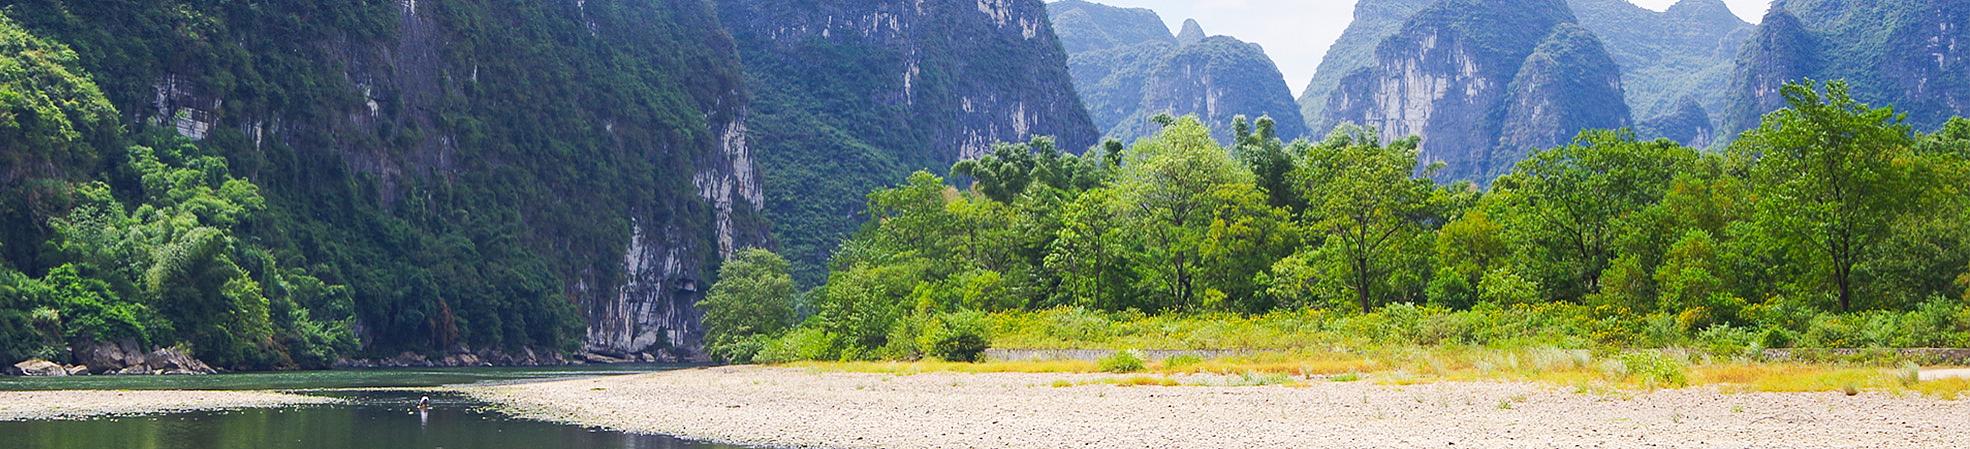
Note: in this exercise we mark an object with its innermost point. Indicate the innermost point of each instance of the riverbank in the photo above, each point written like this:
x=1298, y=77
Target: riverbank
x=74, y=404
x=791, y=407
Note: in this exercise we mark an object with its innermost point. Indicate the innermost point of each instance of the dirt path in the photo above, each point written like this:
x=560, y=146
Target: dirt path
x=799, y=408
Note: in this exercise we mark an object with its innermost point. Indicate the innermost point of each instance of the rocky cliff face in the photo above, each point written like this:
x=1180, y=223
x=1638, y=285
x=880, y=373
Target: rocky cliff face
x=1374, y=21
x=853, y=95
x=1910, y=54
x=1483, y=81
x=1683, y=53
x=1565, y=86
x=475, y=172
x=1126, y=82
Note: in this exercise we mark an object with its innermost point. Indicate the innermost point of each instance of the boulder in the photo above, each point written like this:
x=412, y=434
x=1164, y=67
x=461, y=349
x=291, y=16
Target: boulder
x=38, y=367
x=107, y=357
x=174, y=361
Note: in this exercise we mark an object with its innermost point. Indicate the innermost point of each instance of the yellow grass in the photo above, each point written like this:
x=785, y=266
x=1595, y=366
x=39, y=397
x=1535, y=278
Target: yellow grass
x=1582, y=371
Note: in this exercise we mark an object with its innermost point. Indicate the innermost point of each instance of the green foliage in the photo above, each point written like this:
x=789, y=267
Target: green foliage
x=1656, y=369
x=1121, y=362
x=753, y=299
x=1365, y=198
x=957, y=337
x=1839, y=174
x=1609, y=242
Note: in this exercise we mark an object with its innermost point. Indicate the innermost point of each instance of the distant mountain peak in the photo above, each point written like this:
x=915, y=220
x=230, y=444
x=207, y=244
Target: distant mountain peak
x=1192, y=33
x=1704, y=11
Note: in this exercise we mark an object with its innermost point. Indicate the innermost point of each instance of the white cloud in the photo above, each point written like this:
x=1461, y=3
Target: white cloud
x=1296, y=33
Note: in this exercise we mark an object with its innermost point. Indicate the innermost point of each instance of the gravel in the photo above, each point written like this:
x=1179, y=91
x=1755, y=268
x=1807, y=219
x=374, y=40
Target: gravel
x=781, y=407
x=46, y=405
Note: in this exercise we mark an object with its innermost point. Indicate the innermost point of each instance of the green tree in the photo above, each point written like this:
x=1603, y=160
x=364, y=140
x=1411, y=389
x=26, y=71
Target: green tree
x=1366, y=201
x=1832, y=175
x=753, y=300
x=1563, y=208
x=1166, y=194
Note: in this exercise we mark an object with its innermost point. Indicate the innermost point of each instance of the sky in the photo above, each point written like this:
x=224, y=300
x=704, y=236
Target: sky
x=1296, y=33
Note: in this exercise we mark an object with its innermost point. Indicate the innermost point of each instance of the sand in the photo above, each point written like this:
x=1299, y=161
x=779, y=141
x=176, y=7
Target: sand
x=43, y=405
x=781, y=407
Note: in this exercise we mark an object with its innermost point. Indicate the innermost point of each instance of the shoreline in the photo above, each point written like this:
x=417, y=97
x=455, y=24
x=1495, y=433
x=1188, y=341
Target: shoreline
x=787, y=407
x=86, y=404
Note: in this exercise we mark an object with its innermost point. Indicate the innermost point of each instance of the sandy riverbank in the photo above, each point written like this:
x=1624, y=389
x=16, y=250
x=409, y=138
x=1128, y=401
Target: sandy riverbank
x=800, y=408
x=39, y=405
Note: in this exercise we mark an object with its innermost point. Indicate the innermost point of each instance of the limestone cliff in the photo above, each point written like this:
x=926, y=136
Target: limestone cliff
x=1483, y=80
x=1912, y=54
x=1670, y=60
x=1127, y=82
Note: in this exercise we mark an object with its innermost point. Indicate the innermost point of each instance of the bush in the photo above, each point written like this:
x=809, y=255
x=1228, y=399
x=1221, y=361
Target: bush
x=1656, y=369
x=802, y=343
x=1122, y=362
x=958, y=337
x=738, y=349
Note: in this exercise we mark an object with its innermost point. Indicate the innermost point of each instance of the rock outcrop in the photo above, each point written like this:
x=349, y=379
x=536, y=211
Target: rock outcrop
x=1483, y=82
x=1128, y=68
x=129, y=358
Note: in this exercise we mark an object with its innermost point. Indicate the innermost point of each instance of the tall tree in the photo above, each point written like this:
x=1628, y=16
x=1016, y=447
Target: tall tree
x=1166, y=192
x=1366, y=199
x=754, y=298
x=1831, y=175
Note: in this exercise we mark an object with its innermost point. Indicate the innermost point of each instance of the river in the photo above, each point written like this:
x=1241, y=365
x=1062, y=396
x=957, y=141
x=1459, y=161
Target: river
x=369, y=419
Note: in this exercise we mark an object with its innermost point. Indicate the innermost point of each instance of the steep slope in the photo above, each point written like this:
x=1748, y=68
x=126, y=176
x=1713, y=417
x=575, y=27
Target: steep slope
x=1914, y=54
x=853, y=94
x=1374, y=21
x=1125, y=83
x=1084, y=26
x=1484, y=81
x=1683, y=53
x=480, y=175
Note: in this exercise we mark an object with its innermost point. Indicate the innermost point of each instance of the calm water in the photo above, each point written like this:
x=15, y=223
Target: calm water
x=302, y=380
x=372, y=420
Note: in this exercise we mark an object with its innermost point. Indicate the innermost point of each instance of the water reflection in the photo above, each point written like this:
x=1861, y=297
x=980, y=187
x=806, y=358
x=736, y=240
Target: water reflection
x=377, y=421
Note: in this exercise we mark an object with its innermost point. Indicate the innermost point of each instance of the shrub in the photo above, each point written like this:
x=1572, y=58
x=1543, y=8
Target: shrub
x=802, y=343
x=958, y=337
x=1122, y=362
x=1656, y=369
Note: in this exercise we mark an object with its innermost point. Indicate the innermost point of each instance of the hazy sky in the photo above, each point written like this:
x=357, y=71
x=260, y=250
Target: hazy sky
x=1296, y=33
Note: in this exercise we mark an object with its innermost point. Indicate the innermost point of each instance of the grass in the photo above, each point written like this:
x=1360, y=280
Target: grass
x=1615, y=375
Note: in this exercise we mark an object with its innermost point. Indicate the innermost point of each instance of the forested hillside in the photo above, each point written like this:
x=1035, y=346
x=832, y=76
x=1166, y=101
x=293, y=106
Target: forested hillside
x=850, y=95
x=1607, y=242
x=1128, y=69
x=1910, y=53
x=439, y=177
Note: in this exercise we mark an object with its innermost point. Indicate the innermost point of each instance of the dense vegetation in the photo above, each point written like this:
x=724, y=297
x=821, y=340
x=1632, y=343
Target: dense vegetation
x=849, y=95
x=149, y=249
x=465, y=173
x=1833, y=224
